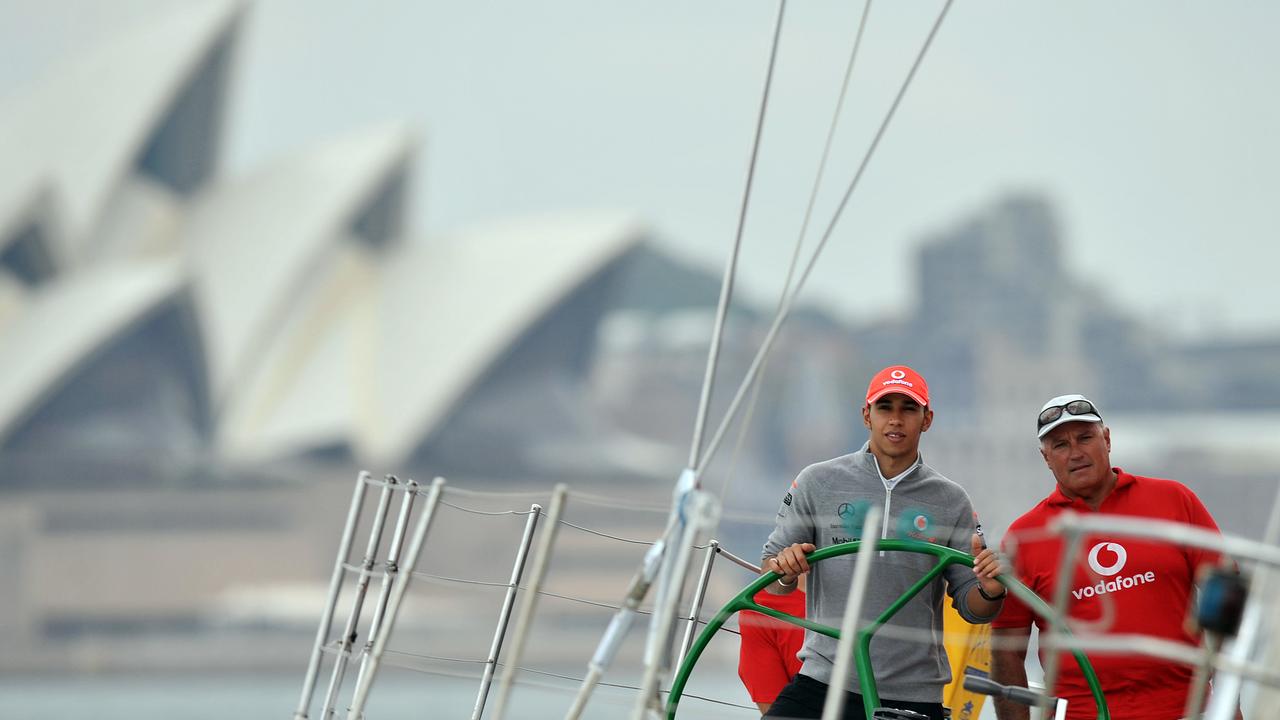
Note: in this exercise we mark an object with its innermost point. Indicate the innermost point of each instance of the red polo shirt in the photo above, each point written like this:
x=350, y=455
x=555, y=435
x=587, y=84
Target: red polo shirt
x=1127, y=585
x=767, y=658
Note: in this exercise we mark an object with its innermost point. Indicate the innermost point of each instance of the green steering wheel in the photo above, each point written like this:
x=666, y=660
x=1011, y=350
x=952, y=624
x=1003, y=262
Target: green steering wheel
x=862, y=647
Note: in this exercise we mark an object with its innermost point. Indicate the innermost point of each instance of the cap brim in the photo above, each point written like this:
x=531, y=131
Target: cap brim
x=897, y=390
x=1087, y=417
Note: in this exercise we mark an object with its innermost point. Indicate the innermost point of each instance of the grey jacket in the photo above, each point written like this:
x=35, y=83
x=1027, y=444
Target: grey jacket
x=826, y=506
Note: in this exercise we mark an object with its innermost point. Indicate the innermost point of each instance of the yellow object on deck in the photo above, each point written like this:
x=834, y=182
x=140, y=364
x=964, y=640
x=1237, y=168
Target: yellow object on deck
x=969, y=652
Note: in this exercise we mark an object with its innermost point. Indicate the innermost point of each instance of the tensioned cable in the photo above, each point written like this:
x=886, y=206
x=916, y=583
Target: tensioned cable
x=452, y=490
x=657, y=508
x=610, y=606
x=599, y=500
x=543, y=513
x=460, y=581
x=432, y=577
x=584, y=601
x=473, y=511
x=575, y=526
x=532, y=671
x=628, y=540
x=747, y=417
x=783, y=313
x=896, y=632
x=605, y=535
x=407, y=663
x=622, y=686
x=730, y=268
x=603, y=501
x=440, y=658
x=612, y=502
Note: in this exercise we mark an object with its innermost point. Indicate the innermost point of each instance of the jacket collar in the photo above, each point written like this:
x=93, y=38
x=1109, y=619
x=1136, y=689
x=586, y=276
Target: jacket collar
x=874, y=465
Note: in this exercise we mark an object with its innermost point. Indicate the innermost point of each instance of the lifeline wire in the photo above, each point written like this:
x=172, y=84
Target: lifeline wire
x=527, y=683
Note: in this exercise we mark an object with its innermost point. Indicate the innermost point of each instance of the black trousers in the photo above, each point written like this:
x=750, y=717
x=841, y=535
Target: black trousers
x=804, y=697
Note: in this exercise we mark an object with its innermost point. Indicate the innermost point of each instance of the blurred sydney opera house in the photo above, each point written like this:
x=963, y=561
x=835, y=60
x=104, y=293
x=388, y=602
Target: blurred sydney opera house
x=179, y=348
x=193, y=365
x=154, y=308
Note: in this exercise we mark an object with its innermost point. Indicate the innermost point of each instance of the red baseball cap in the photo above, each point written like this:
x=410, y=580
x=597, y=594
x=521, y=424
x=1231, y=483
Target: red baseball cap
x=898, y=379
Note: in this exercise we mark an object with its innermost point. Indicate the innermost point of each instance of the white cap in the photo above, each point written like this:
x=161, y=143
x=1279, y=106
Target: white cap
x=1066, y=417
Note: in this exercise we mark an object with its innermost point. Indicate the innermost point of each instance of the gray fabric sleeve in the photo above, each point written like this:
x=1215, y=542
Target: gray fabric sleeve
x=960, y=579
x=794, y=523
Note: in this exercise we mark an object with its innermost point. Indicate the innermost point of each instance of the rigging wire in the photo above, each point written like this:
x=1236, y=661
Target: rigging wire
x=612, y=502
x=756, y=381
x=605, y=501
x=523, y=682
x=444, y=579
x=629, y=506
x=597, y=533
x=473, y=511
x=730, y=268
x=785, y=311
x=433, y=577
x=452, y=490
x=743, y=517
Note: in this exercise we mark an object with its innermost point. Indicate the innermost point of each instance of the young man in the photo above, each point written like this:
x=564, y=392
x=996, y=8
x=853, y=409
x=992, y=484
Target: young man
x=826, y=506
x=1141, y=587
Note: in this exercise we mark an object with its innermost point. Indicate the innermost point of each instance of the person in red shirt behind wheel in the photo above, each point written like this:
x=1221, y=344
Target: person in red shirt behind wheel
x=1134, y=586
x=767, y=656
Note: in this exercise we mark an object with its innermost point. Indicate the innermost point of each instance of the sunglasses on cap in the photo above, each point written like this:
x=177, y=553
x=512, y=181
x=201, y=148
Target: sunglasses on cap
x=1075, y=407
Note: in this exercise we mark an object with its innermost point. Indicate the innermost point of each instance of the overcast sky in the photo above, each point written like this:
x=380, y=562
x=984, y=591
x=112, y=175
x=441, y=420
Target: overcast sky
x=1152, y=125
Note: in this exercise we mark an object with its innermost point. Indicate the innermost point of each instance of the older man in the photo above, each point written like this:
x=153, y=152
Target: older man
x=1139, y=587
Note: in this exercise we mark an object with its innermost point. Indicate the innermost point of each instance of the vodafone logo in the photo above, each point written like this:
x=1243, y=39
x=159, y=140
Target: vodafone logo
x=1113, y=568
x=1102, y=587
x=897, y=377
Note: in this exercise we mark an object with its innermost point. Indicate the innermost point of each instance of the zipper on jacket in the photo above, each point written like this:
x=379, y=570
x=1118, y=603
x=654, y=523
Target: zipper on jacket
x=888, y=503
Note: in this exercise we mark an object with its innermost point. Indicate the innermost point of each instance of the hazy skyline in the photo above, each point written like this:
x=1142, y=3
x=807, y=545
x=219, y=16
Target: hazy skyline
x=1148, y=124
